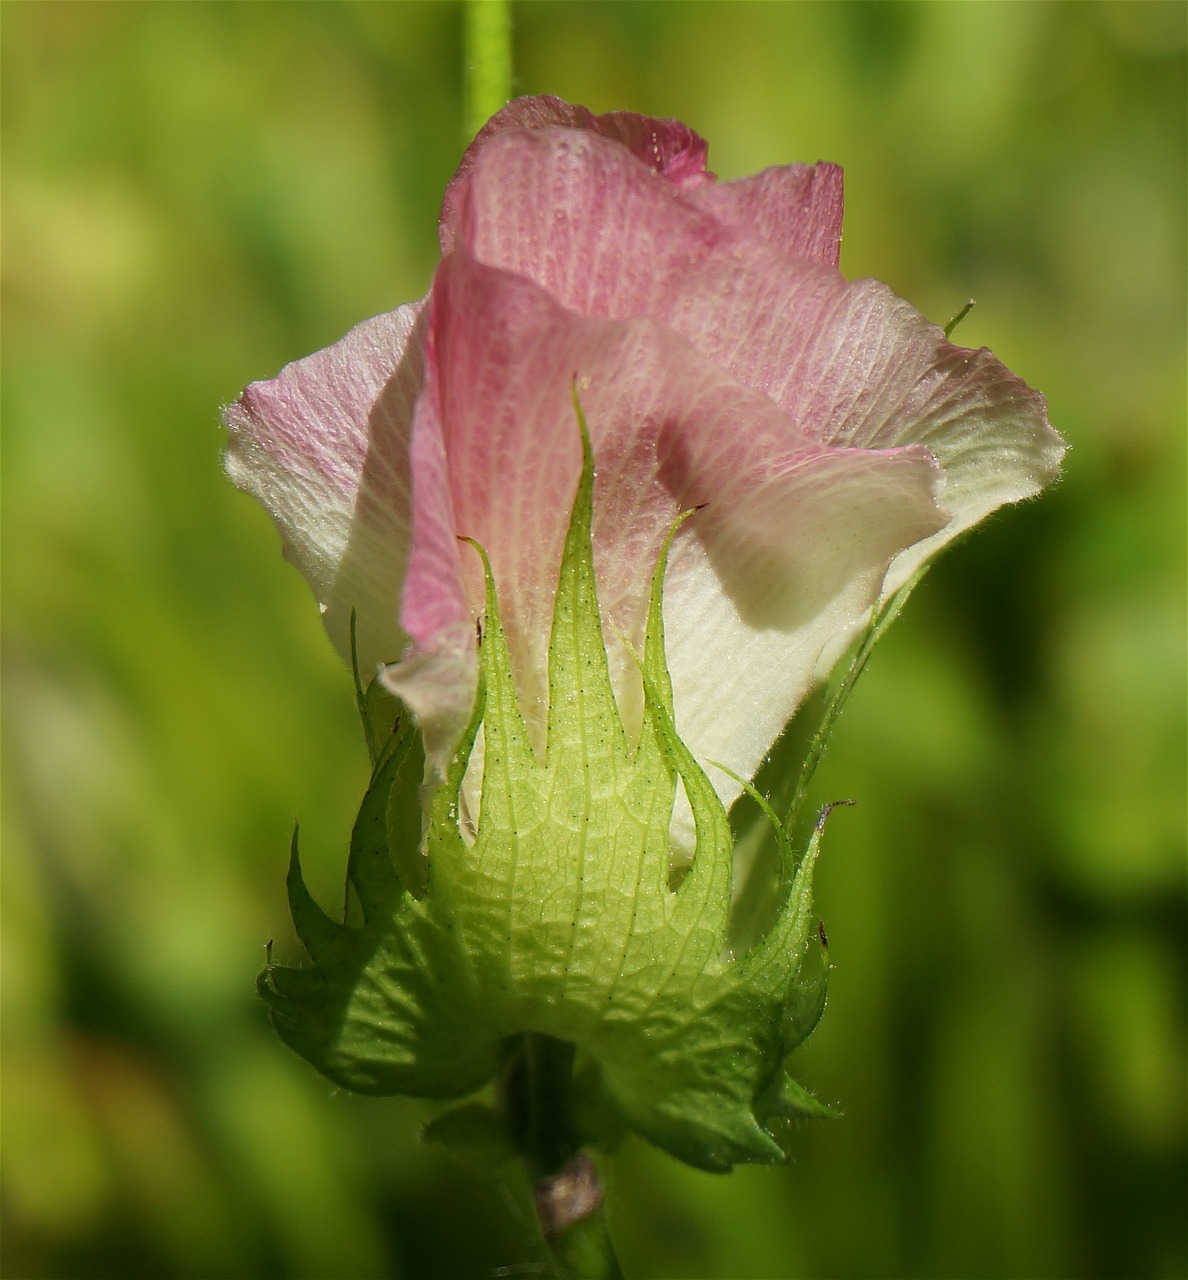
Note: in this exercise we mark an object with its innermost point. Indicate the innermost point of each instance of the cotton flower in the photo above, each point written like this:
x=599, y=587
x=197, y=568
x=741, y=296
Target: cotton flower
x=830, y=439
x=833, y=435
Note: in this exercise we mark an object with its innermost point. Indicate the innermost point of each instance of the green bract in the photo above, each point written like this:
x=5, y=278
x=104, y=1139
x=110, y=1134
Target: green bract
x=560, y=914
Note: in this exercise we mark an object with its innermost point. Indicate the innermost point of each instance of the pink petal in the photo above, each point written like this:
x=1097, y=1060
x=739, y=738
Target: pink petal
x=437, y=678
x=324, y=447
x=795, y=208
x=854, y=365
x=788, y=555
x=583, y=218
x=668, y=148
x=850, y=363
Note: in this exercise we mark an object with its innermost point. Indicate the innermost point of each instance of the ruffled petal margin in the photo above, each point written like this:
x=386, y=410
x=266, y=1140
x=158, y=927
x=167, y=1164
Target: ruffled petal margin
x=324, y=447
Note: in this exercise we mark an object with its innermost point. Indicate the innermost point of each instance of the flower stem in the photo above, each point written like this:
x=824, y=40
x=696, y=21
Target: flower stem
x=585, y=1251
x=547, y=1134
x=488, y=60
x=567, y=1189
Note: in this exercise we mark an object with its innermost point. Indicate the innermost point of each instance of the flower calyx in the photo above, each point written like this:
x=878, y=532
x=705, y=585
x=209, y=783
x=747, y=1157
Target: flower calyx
x=557, y=911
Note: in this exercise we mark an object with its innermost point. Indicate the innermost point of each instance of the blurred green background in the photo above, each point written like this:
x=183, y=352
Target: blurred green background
x=194, y=194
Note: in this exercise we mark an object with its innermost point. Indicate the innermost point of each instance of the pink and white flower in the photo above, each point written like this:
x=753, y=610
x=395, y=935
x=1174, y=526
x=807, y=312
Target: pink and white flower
x=834, y=437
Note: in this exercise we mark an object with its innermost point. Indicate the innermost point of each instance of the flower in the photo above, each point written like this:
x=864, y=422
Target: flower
x=835, y=437
x=831, y=439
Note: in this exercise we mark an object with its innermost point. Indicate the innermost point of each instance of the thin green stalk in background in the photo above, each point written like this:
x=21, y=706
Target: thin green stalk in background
x=488, y=61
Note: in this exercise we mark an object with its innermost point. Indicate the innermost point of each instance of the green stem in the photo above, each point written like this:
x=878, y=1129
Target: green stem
x=488, y=60
x=548, y=1137
x=585, y=1251
x=566, y=1186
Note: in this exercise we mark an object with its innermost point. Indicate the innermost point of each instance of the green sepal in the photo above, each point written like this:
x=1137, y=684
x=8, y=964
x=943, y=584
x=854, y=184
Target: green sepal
x=787, y=1100
x=559, y=914
x=327, y=941
x=371, y=871
x=806, y=1000
x=379, y=711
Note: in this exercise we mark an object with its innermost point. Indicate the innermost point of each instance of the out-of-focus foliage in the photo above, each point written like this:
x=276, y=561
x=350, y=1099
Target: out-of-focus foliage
x=195, y=194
